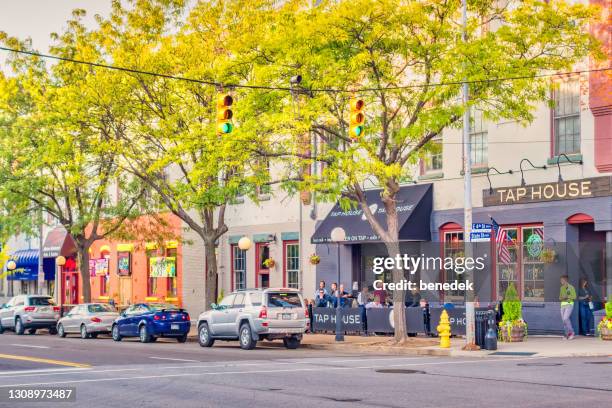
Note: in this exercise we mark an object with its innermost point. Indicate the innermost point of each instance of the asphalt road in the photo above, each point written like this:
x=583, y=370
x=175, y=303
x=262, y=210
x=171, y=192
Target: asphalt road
x=166, y=374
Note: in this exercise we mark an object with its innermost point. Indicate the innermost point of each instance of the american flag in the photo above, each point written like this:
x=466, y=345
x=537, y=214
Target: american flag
x=501, y=243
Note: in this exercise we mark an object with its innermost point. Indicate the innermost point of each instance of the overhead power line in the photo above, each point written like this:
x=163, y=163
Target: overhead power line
x=289, y=89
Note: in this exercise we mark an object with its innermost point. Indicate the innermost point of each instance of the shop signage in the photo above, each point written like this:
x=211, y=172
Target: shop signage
x=162, y=267
x=324, y=319
x=124, y=264
x=98, y=267
x=553, y=191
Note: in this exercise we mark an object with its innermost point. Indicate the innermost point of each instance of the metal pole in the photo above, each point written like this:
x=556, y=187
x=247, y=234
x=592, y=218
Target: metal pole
x=467, y=193
x=41, y=273
x=339, y=331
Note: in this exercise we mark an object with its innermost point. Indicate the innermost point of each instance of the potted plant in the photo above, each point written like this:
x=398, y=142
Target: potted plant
x=512, y=327
x=269, y=263
x=548, y=255
x=315, y=259
x=605, y=325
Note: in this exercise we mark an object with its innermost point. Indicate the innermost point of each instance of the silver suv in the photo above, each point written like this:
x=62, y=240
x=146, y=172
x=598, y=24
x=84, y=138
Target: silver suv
x=252, y=315
x=29, y=312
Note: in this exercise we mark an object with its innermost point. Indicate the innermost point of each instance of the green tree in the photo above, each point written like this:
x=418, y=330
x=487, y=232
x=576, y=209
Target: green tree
x=59, y=145
x=407, y=61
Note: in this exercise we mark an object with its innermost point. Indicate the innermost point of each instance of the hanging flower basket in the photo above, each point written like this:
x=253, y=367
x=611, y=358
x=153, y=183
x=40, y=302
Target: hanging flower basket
x=269, y=263
x=548, y=255
x=315, y=259
x=605, y=329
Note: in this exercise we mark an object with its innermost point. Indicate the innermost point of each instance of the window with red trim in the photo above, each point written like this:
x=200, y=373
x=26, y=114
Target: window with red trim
x=171, y=288
x=151, y=281
x=453, y=248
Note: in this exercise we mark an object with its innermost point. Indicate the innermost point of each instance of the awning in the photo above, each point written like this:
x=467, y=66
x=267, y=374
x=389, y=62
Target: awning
x=58, y=242
x=414, y=205
x=26, y=269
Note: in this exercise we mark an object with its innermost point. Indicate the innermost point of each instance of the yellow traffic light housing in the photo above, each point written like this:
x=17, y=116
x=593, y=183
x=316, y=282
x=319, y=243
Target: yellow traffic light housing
x=357, y=119
x=224, y=114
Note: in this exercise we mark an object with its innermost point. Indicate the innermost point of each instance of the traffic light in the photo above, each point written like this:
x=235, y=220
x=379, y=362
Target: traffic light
x=356, y=127
x=224, y=114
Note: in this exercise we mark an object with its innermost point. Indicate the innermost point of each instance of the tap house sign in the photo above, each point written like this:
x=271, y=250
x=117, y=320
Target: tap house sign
x=554, y=191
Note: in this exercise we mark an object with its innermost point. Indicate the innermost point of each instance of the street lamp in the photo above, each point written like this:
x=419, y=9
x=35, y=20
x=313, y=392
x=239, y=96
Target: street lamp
x=11, y=265
x=59, y=262
x=338, y=235
x=244, y=243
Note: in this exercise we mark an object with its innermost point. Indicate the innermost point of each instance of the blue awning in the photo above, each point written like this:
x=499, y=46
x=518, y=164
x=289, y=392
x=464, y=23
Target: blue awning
x=26, y=269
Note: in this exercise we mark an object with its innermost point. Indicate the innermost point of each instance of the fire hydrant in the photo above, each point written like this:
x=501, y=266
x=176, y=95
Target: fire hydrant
x=444, y=330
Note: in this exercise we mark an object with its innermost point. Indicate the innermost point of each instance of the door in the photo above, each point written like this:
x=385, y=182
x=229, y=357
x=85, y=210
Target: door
x=6, y=314
x=70, y=292
x=71, y=323
x=262, y=272
x=125, y=290
x=233, y=313
x=220, y=317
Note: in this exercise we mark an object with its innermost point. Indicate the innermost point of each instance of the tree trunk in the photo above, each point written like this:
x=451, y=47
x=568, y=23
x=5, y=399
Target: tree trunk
x=392, y=244
x=211, y=273
x=83, y=261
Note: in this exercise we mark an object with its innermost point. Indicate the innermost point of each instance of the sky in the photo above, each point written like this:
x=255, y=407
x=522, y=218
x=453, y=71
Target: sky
x=37, y=19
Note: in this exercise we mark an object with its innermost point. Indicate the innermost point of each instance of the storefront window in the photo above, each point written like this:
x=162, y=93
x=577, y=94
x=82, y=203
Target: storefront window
x=292, y=264
x=453, y=248
x=171, y=290
x=151, y=281
x=239, y=267
x=518, y=261
x=104, y=279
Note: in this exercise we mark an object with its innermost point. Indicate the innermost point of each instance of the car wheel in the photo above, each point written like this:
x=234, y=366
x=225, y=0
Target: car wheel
x=182, y=339
x=19, y=329
x=204, y=337
x=246, y=339
x=153, y=339
x=94, y=335
x=115, y=333
x=143, y=334
x=60, y=330
x=53, y=330
x=31, y=331
x=291, y=342
x=84, y=334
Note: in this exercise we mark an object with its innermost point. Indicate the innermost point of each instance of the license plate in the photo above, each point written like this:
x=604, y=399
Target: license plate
x=174, y=327
x=43, y=309
x=286, y=316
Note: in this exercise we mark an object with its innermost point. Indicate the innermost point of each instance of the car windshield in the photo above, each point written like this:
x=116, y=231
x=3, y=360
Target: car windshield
x=284, y=299
x=41, y=301
x=100, y=308
x=161, y=306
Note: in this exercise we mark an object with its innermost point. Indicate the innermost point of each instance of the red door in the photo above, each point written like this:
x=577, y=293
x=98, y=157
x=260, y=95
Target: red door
x=70, y=288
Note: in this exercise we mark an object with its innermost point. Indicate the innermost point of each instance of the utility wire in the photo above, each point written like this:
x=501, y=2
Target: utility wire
x=280, y=88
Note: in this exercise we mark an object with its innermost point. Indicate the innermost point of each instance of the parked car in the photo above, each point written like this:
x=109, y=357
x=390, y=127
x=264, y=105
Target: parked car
x=88, y=319
x=29, y=312
x=148, y=321
x=252, y=315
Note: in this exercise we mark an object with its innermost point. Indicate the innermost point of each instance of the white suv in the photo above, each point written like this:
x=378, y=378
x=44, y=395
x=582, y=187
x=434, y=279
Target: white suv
x=252, y=315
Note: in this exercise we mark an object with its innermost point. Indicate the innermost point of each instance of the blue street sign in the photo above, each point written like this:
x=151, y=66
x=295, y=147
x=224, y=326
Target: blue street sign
x=480, y=236
x=478, y=226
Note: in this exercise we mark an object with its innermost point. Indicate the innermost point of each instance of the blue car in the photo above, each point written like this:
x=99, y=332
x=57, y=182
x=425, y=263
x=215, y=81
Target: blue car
x=148, y=321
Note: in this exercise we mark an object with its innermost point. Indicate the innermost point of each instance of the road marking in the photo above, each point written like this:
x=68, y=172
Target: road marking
x=175, y=359
x=266, y=371
x=45, y=371
x=29, y=346
x=44, y=360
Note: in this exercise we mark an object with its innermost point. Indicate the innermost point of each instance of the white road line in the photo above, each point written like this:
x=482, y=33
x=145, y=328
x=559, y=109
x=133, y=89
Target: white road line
x=29, y=346
x=266, y=371
x=176, y=359
x=47, y=371
x=230, y=364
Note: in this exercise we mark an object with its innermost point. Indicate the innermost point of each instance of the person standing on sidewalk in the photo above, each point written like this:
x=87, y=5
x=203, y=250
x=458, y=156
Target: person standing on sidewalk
x=567, y=295
x=584, y=304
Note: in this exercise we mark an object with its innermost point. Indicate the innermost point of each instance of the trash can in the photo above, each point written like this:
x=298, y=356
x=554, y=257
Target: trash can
x=481, y=327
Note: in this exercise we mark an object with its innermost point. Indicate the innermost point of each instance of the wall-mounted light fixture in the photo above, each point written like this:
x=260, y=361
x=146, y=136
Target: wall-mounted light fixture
x=498, y=172
x=568, y=160
x=532, y=165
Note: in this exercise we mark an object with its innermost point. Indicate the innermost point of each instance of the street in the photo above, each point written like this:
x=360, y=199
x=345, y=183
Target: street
x=106, y=373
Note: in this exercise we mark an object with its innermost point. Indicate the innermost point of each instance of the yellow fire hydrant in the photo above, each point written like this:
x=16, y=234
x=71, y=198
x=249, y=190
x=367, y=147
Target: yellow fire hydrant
x=444, y=330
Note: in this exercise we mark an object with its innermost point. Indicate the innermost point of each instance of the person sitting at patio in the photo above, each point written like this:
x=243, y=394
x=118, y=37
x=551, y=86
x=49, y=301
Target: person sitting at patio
x=322, y=299
x=375, y=304
x=321, y=286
